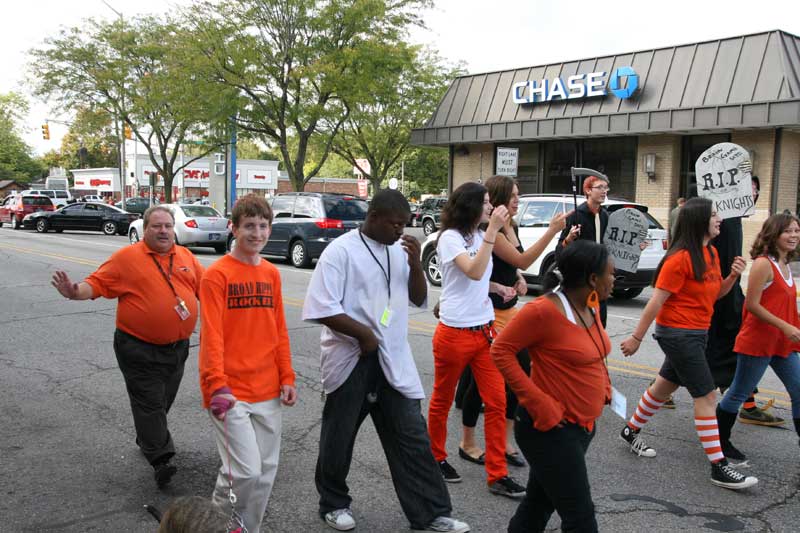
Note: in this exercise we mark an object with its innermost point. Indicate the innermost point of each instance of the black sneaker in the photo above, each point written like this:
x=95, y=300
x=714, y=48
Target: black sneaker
x=506, y=486
x=163, y=473
x=636, y=442
x=724, y=475
x=731, y=452
x=448, y=472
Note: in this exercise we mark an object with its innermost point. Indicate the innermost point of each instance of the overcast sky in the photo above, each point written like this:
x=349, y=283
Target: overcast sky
x=484, y=34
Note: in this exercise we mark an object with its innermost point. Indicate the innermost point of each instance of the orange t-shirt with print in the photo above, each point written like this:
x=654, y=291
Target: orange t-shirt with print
x=691, y=303
x=244, y=343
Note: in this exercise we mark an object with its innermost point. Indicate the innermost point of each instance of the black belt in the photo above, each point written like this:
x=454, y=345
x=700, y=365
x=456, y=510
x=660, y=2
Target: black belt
x=475, y=328
x=168, y=345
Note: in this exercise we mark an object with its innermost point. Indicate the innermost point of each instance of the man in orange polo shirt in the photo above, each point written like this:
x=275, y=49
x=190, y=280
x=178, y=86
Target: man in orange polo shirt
x=156, y=284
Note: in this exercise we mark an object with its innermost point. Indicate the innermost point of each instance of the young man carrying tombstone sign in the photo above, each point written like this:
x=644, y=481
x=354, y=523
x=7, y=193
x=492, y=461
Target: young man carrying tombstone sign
x=359, y=292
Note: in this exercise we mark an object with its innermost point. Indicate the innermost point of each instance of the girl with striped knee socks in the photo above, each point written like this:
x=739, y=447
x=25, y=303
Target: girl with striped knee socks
x=687, y=283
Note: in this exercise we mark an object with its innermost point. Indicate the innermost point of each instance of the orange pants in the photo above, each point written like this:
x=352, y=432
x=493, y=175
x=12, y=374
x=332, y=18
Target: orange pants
x=453, y=350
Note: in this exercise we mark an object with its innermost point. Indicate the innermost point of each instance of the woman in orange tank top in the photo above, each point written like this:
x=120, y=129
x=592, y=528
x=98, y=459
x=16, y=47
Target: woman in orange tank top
x=769, y=335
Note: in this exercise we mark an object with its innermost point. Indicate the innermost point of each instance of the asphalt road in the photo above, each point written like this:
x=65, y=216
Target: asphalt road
x=69, y=461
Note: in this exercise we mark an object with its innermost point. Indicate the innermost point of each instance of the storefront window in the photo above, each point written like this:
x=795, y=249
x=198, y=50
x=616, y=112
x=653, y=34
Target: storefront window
x=616, y=158
x=559, y=157
x=692, y=147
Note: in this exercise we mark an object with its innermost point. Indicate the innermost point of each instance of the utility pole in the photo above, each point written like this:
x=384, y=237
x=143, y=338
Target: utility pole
x=120, y=127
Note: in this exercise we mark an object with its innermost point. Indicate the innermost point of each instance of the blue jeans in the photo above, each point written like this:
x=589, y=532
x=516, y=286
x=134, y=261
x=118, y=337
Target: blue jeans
x=749, y=371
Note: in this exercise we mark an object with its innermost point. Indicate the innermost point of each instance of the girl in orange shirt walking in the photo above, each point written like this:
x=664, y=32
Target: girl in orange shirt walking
x=688, y=282
x=769, y=335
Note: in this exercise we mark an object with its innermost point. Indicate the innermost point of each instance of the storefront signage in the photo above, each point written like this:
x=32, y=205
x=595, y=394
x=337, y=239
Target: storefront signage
x=507, y=160
x=723, y=176
x=625, y=231
x=576, y=86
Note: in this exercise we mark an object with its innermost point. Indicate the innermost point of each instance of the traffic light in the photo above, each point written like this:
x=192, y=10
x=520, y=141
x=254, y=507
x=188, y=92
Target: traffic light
x=128, y=132
x=45, y=132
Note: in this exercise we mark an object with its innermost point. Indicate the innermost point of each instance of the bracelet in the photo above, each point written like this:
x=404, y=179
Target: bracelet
x=637, y=338
x=488, y=242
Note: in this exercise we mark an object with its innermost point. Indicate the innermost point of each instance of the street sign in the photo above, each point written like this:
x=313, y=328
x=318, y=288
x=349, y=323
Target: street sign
x=507, y=159
x=393, y=183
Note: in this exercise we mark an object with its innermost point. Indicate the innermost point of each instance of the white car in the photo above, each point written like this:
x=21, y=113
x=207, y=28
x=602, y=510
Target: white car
x=533, y=217
x=195, y=225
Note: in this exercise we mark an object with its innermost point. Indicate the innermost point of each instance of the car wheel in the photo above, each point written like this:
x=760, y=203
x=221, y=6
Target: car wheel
x=428, y=227
x=133, y=236
x=14, y=222
x=221, y=248
x=627, y=294
x=110, y=227
x=41, y=225
x=298, y=254
x=430, y=264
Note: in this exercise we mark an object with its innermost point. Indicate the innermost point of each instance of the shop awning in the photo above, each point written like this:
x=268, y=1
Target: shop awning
x=749, y=81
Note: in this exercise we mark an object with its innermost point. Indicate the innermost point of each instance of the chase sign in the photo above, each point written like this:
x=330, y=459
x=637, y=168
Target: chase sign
x=577, y=86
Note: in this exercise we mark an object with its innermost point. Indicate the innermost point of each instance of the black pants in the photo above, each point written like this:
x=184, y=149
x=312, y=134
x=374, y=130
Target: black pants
x=558, y=478
x=469, y=399
x=404, y=436
x=152, y=376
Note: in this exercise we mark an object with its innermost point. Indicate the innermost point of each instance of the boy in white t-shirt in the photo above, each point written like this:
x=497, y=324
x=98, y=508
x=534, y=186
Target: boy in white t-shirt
x=359, y=292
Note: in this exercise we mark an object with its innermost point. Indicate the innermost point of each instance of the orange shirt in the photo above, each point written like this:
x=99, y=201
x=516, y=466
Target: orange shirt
x=244, y=343
x=146, y=305
x=568, y=377
x=691, y=303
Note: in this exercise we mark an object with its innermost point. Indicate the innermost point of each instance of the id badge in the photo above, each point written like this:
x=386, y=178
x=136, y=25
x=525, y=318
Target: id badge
x=619, y=404
x=182, y=310
x=386, y=317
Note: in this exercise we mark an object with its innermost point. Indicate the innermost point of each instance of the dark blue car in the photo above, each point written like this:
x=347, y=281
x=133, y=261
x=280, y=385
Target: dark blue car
x=304, y=223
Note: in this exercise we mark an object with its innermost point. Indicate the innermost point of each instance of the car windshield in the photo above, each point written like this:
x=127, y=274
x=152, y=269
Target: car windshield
x=199, y=211
x=345, y=208
x=36, y=200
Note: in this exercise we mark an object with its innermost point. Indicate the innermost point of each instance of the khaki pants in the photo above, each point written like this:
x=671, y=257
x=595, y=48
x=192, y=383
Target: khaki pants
x=254, y=441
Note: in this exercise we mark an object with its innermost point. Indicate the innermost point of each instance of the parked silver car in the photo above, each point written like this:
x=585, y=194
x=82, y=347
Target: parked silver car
x=195, y=225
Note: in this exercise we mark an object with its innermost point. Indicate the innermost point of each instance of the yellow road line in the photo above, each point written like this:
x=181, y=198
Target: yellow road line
x=79, y=260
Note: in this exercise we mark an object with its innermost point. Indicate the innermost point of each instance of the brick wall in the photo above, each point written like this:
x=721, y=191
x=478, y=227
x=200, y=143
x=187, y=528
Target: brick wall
x=661, y=194
x=761, y=146
x=477, y=164
x=789, y=171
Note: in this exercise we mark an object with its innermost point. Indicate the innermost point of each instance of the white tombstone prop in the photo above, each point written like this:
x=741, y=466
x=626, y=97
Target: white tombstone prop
x=723, y=176
x=626, y=229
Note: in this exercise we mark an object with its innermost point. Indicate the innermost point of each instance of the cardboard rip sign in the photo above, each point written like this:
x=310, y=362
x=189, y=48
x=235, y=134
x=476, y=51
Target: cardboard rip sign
x=723, y=176
x=626, y=230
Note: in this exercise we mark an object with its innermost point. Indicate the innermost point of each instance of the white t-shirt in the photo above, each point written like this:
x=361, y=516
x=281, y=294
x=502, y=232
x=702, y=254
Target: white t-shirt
x=348, y=280
x=464, y=301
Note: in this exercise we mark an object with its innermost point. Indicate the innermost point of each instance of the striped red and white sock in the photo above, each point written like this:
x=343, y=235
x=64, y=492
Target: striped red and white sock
x=708, y=431
x=644, y=411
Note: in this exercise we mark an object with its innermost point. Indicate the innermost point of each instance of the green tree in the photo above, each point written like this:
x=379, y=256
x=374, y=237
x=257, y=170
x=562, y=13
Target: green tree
x=401, y=94
x=90, y=142
x=425, y=169
x=142, y=71
x=295, y=62
x=16, y=159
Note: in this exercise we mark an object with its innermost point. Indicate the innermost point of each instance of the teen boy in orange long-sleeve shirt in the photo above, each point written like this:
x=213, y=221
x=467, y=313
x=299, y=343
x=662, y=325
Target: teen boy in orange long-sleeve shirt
x=245, y=366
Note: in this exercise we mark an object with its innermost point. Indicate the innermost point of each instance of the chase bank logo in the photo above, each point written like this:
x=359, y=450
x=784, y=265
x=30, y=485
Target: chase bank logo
x=577, y=86
x=615, y=84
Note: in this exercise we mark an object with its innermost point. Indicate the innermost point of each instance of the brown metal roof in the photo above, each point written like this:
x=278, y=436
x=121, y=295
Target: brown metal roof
x=739, y=82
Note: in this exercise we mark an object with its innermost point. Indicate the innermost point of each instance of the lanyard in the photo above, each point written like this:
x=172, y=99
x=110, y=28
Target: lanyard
x=167, y=278
x=386, y=275
x=588, y=332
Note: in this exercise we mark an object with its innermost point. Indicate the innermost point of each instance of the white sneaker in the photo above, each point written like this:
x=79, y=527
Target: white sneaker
x=446, y=524
x=341, y=519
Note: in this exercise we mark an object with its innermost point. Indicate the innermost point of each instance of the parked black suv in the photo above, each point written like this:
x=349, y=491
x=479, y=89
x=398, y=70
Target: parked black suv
x=429, y=213
x=136, y=204
x=304, y=223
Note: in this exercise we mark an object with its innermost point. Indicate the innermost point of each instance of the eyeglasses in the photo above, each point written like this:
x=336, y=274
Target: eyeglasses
x=603, y=188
